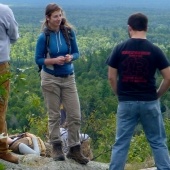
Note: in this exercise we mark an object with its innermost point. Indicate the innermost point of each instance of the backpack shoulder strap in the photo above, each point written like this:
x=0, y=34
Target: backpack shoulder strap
x=67, y=35
x=47, y=40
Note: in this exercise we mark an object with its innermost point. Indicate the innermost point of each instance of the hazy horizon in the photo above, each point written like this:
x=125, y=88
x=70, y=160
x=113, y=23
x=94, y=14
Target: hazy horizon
x=89, y=3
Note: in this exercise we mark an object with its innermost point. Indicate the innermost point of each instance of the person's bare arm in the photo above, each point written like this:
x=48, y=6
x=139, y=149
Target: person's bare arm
x=9, y=140
x=165, y=84
x=112, y=76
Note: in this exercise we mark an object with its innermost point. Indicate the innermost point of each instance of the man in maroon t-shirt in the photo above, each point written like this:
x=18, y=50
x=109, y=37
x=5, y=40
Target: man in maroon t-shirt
x=131, y=72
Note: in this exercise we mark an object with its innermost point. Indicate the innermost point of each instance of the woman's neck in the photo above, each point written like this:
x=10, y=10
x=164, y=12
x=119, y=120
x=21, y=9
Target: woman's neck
x=56, y=29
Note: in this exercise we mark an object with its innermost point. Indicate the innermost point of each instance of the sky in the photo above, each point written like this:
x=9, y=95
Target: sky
x=101, y=3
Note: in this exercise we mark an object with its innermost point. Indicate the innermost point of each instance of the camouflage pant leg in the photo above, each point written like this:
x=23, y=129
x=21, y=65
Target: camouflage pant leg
x=4, y=93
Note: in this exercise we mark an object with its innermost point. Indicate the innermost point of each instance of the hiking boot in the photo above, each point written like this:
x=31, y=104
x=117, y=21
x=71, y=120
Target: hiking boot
x=57, y=152
x=75, y=154
x=9, y=157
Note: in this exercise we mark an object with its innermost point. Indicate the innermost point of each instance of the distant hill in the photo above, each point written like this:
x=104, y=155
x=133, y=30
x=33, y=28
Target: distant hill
x=88, y=3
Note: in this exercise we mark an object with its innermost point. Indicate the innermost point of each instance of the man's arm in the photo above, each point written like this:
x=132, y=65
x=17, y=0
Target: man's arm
x=112, y=76
x=165, y=84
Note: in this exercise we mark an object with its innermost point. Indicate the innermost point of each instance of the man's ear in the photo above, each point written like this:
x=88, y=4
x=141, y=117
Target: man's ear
x=129, y=28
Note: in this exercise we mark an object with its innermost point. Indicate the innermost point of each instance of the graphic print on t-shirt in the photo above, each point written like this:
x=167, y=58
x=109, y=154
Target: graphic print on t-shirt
x=135, y=66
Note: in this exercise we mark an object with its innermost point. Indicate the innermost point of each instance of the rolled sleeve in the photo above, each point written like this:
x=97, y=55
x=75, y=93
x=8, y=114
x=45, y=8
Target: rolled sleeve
x=12, y=27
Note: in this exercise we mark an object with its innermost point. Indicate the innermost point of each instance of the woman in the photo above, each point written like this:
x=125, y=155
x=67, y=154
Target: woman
x=20, y=144
x=58, y=81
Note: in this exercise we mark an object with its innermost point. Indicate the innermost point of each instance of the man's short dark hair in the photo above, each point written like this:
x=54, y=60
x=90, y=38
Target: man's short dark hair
x=138, y=22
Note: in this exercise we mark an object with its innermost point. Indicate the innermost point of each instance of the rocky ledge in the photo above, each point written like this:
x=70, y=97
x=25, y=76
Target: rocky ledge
x=34, y=162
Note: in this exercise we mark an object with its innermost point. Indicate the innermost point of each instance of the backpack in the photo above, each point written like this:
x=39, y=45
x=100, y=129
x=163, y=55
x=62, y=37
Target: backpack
x=23, y=138
x=85, y=143
x=67, y=35
x=86, y=148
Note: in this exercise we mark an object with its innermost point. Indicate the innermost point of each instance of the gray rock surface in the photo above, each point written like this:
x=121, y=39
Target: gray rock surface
x=33, y=162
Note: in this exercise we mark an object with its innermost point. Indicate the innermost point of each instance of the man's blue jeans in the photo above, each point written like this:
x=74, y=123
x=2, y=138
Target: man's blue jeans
x=129, y=113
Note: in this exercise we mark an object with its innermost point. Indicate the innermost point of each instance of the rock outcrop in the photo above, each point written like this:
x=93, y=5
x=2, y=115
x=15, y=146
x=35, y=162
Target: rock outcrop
x=34, y=162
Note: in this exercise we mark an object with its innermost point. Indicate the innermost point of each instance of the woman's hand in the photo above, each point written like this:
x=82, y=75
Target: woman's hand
x=60, y=60
x=68, y=58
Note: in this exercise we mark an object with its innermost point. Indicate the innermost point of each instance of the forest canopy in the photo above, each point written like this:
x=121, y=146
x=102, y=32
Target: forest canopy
x=98, y=31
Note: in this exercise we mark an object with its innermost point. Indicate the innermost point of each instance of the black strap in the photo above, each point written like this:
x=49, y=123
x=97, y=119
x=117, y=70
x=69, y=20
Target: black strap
x=19, y=136
x=47, y=40
x=67, y=35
